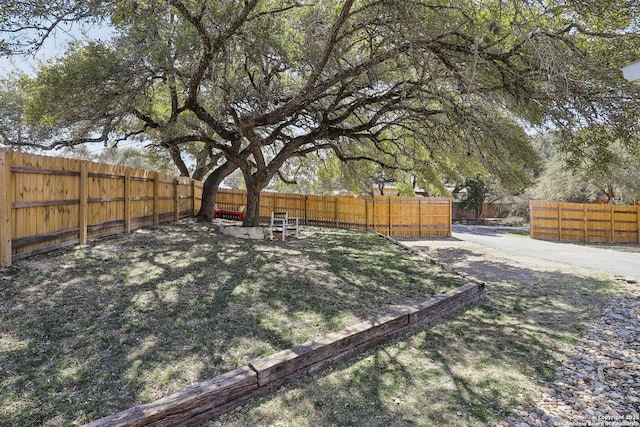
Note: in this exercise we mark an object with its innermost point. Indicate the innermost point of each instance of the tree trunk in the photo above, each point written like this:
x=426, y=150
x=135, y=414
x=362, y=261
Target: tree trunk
x=252, y=212
x=174, y=152
x=210, y=190
x=611, y=194
x=255, y=183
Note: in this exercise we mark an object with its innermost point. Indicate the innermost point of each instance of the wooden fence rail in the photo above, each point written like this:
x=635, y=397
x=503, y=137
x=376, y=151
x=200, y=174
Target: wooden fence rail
x=388, y=215
x=576, y=222
x=48, y=203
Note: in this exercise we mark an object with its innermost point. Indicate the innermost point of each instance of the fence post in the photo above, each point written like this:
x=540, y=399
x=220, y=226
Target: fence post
x=366, y=214
x=306, y=198
x=156, y=190
x=389, y=231
x=127, y=200
x=176, y=200
x=638, y=219
x=82, y=208
x=532, y=224
x=586, y=222
x=335, y=211
x=5, y=210
x=613, y=224
x=559, y=221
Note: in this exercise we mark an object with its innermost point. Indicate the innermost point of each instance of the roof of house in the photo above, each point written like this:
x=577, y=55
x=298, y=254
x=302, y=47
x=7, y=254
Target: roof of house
x=631, y=72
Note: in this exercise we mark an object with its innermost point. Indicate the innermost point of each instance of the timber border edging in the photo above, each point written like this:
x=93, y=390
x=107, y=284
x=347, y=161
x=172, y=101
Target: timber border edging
x=224, y=392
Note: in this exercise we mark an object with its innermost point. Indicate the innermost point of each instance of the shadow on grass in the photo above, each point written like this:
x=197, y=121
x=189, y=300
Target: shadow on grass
x=90, y=331
x=470, y=370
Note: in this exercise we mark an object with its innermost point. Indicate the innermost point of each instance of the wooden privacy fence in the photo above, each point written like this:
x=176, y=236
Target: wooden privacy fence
x=392, y=216
x=576, y=222
x=48, y=203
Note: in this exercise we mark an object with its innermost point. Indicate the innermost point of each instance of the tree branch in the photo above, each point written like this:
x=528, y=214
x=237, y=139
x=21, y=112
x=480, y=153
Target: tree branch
x=329, y=45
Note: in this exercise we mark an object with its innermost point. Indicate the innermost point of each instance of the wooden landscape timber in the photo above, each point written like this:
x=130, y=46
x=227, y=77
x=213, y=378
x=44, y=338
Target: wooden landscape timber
x=225, y=392
x=296, y=361
x=187, y=406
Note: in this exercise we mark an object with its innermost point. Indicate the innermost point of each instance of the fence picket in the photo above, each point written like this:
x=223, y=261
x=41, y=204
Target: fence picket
x=156, y=198
x=82, y=208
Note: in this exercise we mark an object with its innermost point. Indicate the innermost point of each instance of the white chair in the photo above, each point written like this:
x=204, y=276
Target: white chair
x=283, y=223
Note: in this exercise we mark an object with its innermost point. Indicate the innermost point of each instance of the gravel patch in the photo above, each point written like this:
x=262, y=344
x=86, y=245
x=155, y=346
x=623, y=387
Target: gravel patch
x=599, y=384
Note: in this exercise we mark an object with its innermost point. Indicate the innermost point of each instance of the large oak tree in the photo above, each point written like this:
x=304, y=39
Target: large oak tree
x=414, y=85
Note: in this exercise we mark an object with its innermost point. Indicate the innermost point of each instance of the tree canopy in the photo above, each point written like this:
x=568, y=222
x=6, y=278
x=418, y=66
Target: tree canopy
x=438, y=88
x=614, y=181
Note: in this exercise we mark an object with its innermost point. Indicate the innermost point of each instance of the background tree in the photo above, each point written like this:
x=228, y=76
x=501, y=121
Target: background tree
x=234, y=180
x=148, y=158
x=474, y=197
x=615, y=181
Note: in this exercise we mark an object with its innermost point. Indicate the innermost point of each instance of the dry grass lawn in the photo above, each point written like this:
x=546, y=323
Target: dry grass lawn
x=473, y=369
x=89, y=331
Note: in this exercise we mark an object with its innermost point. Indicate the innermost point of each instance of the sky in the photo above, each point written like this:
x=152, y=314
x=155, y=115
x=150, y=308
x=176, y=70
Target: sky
x=54, y=46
